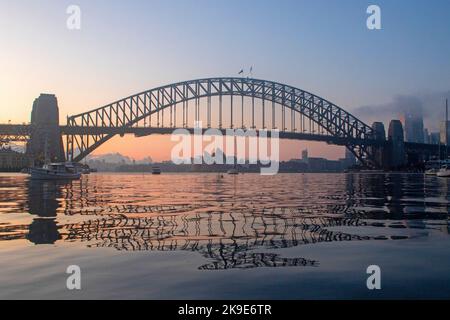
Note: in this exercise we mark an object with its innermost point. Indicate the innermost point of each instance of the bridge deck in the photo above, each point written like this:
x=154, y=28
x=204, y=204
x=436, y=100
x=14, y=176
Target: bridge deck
x=21, y=132
x=146, y=131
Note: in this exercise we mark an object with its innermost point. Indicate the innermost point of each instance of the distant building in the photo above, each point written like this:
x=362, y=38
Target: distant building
x=318, y=164
x=413, y=125
x=445, y=138
x=13, y=161
x=294, y=165
x=305, y=155
x=435, y=137
x=426, y=136
x=380, y=132
x=349, y=160
x=323, y=165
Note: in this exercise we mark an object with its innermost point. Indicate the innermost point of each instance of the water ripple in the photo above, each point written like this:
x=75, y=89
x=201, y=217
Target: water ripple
x=223, y=219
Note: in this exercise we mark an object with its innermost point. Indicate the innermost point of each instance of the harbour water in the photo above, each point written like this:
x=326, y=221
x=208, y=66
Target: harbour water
x=202, y=236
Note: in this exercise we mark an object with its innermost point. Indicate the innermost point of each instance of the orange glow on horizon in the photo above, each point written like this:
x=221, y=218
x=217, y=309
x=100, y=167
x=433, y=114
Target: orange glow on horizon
x=159, y=147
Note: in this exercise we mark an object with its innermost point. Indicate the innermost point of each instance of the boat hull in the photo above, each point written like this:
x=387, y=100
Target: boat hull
x=445, y=174
x=156, y=170
x=43, y=174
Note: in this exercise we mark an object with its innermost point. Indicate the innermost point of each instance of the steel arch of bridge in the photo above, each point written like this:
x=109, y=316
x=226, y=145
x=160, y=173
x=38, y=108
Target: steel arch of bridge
x=128, y=112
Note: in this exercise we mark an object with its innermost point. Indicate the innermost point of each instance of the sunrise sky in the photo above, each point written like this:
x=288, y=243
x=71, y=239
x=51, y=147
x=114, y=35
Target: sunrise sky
x=126, y=47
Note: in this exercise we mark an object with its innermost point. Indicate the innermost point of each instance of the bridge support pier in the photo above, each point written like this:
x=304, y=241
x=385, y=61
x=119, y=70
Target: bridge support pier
x=45, y=137
x=396, y=149
x=379, y=153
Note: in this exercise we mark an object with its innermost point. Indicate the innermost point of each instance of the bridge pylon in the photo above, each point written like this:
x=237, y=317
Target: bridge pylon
x=45, y=135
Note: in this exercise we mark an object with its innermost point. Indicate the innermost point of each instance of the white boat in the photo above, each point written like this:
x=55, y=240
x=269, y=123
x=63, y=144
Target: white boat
x=431, y=172
x=55, y=171
x=156, y=170
x=233, y=171
x=444, y=172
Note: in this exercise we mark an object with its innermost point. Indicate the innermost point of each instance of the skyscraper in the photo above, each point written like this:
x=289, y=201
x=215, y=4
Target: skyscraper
x=445, y=138
x=413, y=123
x=426, y=136
x=435, y=137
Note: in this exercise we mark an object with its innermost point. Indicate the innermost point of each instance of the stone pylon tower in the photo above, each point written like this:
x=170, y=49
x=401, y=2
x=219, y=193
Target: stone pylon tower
x=380, y=154
x=397, y=156
x=45, y=135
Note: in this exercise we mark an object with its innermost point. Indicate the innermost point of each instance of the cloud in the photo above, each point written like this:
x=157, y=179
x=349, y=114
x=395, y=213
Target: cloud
x=430, y=105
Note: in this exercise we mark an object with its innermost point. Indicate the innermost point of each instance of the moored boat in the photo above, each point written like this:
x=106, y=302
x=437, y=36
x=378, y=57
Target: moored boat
x=55, y=171
x=444, y=172
x=156, y=170
x=431, y=172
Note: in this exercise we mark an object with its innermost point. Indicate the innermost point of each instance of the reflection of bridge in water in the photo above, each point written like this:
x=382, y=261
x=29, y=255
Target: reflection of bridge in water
x=226, y=238
x=228, y=235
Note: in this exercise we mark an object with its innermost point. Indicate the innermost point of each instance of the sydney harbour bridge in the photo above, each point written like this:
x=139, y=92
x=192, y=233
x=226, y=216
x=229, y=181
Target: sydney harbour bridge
x=220, y=103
